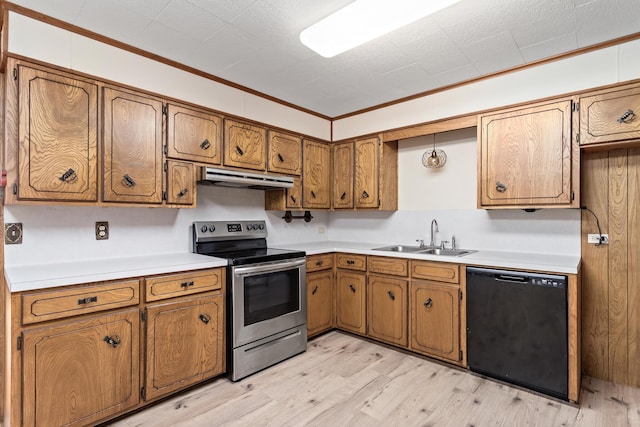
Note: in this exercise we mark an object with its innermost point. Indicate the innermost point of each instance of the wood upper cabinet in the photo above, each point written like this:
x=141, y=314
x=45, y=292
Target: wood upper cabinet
x=185, y=343
x=194, y=135
x=78, y=373
x=316, y=182
x=343, y=169
x=57, y=131
x=387, y=309
x=610, y=115
x=181, y=183
x=285, y=153
x=320, y=302
x=245, y=145
x=367, y=172
x=527, y=158
x=132, y=147
x=351, y=309
x=435, y=320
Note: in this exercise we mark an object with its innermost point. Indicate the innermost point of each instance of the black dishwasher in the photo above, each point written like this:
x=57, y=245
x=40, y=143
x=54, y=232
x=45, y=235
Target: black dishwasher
x=517, y=328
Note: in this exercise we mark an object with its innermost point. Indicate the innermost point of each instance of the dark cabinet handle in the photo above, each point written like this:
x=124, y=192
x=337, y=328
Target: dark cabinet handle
x=69, y=176
x=293, y=199
x=391, y=295
x=113, y=341
x=350, y=262
x=183, y=192
x=313, y=194
x=500, y=187
x=205, y=318
x=205, y=144
x=353, y=288
x=319, y=263
x=280, y=157
x=186, y=285
x=87, y=300
x=627, y=117
x=428, y=303
x=365, y=195
x=239, y=150
x=128, y=181
x=315, y=289
x=343, y=196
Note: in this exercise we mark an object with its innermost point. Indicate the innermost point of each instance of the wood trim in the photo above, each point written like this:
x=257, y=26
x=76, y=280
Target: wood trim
x=574, y=362
x=137, y=51
x=454, y=123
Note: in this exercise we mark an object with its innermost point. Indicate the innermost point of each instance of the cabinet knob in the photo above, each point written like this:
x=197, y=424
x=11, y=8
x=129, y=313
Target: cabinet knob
x=319, y=263
x=239, y=150
x=183, y=192
x=113, y=341
x=353, y=288
x=428, y=303
x=205, y=318
x=128, y=181
x=313, y=194
x=627, y=117
x=391, y=295
x=280, y=157
x=500, y=187
x=350, y=262
x=186, y=285
x=365, y=195
x=205, y=144
x=87, y=300
x=315, y=289
x=293, y=199
x=69, y=176
x=343, y=196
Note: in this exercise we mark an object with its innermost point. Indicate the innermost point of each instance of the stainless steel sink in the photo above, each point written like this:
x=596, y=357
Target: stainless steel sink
x=447, y=252
x=400, y=248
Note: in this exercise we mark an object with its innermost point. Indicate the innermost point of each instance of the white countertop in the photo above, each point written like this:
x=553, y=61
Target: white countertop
x=24, y=278
x=553, y=263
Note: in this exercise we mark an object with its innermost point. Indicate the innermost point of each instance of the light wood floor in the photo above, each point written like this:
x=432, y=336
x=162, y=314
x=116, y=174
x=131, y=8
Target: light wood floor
x=345, y=381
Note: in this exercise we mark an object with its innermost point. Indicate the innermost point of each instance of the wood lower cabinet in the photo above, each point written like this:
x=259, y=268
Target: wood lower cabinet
x=194, y=135
x=184, y=343
x=52, y=120
x=527, y=158
x=316, y=181
x=320, y=302
x=435, y=320
x=132, y=147
x=387, y=309
x=80, y=372
x=351, y=308
x=245, y=145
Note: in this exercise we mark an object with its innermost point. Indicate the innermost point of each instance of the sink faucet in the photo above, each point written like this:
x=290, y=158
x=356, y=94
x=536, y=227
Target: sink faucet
x=434, y=229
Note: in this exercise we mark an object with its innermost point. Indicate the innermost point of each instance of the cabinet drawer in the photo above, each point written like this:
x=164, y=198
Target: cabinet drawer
x=57, y=304
x=440, y=271
x=352, y=262
x=393, y=266
x=609, y=116
x=175, y=285
x=319, y=262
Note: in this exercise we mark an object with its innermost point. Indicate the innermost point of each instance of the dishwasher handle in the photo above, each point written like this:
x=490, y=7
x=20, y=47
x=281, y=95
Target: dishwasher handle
x=511, y=279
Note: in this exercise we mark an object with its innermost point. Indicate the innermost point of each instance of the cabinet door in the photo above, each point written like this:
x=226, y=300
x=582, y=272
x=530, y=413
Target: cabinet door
x=525, y=157
x=193, y=135
x=58, y=131
x=351, y=301
x=367, y=174
x=294, y=195
x=245, y=145
x=343, y=175
x=316, y=180
x=435, y=320
x=285, y=153
x=90, y=369
x=610, y=116
x=387, y=309
x=181, y=183
x=319, y=302
x=132, y=147
x=185, y=343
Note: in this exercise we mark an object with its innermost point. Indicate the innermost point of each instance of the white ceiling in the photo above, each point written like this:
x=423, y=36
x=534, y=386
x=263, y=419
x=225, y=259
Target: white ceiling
x=255, y=43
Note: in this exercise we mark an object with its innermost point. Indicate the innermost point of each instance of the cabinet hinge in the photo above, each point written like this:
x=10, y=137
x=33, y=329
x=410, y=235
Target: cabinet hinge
x=576, y=106
x=573, y=195
x=164, y=195
x=166, y=150
x=15, y=188
x=143, y=315
x=19, y=343
x=460, y=355
x=15, y=73
x=166, y=166
x=578, y=138
x=165, y=109
x=143, y=393
x=460, y=293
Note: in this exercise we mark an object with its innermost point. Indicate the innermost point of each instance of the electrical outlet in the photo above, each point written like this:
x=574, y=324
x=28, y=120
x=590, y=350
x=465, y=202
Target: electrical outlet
x=595, y=239
x=102, y=230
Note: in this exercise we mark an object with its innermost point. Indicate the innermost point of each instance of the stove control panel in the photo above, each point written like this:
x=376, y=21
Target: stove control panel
x=227, y=230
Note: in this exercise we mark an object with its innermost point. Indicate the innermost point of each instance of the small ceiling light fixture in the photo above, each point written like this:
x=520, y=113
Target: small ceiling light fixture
x=365, y=20
x=434, y=158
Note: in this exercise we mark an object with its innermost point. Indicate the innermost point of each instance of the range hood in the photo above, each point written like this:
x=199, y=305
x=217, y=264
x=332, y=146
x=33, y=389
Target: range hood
x=241, y=179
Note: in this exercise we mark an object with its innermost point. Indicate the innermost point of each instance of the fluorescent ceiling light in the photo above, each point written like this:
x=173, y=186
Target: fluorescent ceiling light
x=365, y=20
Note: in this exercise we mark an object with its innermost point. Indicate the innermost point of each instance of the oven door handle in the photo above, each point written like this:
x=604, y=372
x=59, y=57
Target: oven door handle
x=275, y=266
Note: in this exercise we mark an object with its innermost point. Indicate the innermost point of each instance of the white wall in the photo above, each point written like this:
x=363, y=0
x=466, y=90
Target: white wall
x=50, y=44
x=63, y=233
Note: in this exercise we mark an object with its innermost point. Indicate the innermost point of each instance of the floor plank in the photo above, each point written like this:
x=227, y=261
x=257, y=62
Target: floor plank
x=344, y=380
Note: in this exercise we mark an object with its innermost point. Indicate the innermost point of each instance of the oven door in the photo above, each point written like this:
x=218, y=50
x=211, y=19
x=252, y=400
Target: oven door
x=267, y=298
